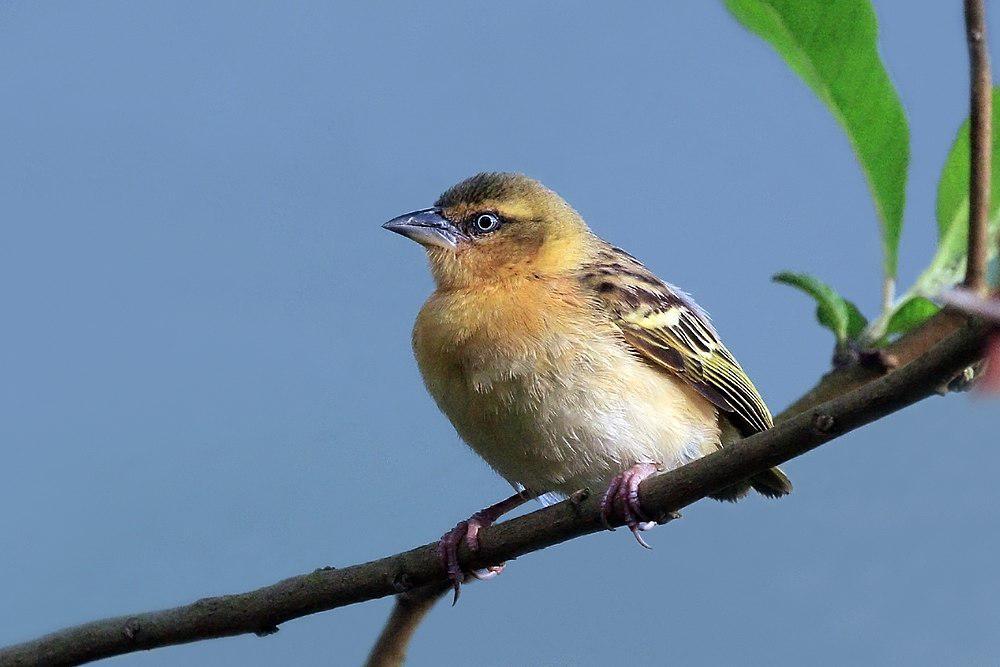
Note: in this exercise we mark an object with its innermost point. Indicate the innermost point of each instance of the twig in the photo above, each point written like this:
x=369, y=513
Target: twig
x=903, y=351
x=980, y=144
x=262, y=610
x=409, y=610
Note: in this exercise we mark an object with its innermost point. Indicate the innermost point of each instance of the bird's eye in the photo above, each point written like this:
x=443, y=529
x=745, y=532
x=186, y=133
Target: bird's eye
x=486, y=222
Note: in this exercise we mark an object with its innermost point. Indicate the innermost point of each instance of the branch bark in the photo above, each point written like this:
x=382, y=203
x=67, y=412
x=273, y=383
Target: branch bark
x=262, y=610
x=980, y=143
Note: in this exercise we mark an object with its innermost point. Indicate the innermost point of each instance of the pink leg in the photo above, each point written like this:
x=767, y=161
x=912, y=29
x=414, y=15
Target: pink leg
x=622, y=498
x=468, y=531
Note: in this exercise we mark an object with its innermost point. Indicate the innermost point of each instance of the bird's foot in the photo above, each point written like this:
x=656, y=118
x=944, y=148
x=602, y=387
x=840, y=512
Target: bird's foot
x=621, y=500
x=465, y=531
x=468, y=531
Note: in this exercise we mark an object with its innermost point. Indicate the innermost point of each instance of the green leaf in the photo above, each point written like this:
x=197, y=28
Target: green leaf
x=910, y=314
x=833, y=46
x=948, y=265
x=856, y=322
x=833, y=311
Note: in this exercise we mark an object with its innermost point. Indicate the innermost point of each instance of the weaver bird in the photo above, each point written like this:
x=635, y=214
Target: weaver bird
x=563, y=361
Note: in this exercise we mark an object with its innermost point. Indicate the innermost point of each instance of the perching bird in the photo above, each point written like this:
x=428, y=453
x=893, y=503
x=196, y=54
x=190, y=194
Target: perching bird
x=562, y=361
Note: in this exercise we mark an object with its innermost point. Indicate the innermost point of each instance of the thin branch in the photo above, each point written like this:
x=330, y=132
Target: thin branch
x=262, y=610
x=903, y=351
x=980, y=143
x=409, y=610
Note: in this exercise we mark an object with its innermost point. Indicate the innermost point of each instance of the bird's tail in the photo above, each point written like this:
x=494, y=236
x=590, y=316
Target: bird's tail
x=772, y=483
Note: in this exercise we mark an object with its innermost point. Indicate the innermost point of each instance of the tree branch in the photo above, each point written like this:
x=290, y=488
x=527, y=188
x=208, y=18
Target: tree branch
x=409, y=610
x=980, y=143
x=262, y=610
x=902, y=351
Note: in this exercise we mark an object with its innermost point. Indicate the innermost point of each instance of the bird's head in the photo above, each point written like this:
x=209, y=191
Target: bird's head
x=495, y=227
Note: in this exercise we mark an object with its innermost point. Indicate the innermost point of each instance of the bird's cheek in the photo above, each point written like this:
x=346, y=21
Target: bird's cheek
x=448, y=269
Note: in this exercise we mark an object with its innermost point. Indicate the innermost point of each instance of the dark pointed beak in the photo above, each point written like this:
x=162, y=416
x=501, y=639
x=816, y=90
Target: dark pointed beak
x=428, y=228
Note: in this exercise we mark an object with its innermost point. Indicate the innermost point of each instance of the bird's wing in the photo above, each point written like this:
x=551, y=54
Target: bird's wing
x=670, y=330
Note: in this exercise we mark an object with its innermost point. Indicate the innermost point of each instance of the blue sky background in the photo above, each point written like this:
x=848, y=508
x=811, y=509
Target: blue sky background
x=207, y=382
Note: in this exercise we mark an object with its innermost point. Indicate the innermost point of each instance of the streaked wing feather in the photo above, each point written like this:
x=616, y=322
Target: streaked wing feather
x=666, y=327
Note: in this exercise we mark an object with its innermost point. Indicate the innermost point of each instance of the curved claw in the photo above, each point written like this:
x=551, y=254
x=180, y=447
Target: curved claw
x=622, y=498
x=608, y=502
x=468, y=531
x=448, y=554
x=638, y=538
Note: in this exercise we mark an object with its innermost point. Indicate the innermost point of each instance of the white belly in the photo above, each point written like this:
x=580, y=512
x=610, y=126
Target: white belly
x=573, y=419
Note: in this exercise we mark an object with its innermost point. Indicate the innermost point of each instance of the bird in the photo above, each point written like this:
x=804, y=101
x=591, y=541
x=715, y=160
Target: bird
x=563, y=361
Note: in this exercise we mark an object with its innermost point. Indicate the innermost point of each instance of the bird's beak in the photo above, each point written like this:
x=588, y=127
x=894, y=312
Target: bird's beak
x=428, y=228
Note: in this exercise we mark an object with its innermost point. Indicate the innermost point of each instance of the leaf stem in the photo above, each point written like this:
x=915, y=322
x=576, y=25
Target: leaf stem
x=888, y=294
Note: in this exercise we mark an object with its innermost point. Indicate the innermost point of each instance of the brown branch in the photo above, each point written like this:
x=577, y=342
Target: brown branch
x=409, y=610
x=980, y=144
x=262, y=610
x=903, y=351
